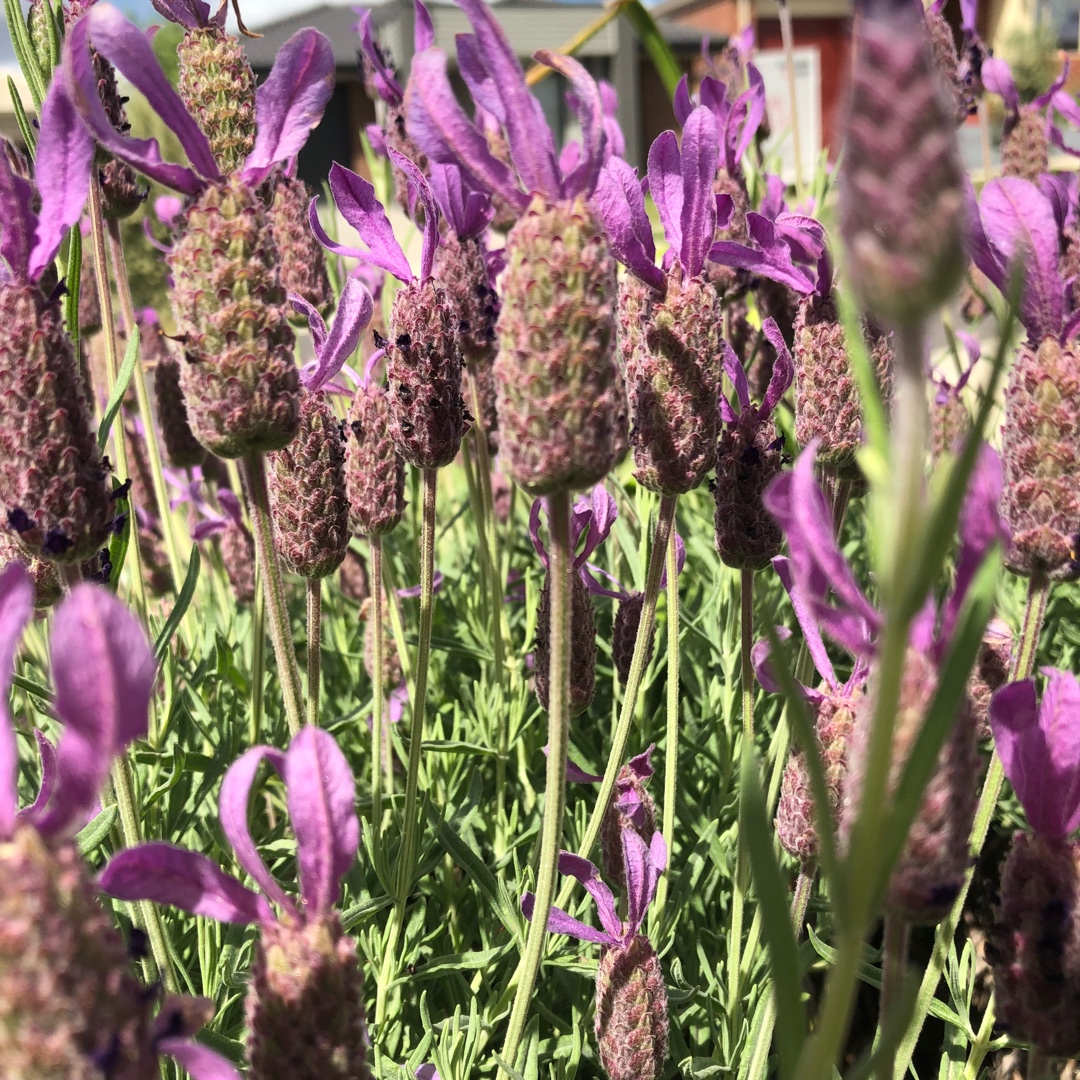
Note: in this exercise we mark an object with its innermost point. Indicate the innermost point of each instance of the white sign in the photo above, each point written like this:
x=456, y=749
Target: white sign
x=780, y=144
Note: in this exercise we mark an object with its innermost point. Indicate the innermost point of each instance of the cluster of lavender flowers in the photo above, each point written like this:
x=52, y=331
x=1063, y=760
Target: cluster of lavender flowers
x=561, y=351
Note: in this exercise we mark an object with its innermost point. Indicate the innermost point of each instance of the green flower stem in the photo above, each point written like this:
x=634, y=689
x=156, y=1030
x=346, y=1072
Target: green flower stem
x=375, y=543
x=893, y=970
x=1023, y=665
x=671, y=746
x=314, y=647
x=112, y=368
x=142, y=395
x=800, y=900
x=258, y=660
x=621, y=737
x=555, y=790
x=254, y=470
x=981, y=1046
x=407, y=864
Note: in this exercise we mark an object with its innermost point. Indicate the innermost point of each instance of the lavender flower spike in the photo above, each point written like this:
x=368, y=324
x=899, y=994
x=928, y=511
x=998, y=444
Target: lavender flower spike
x=103, y=673
x=1034, y=945
x=423, y=360
x=305, y=1000
x=631, y=999
x=53, y=493
x=558, y=389
x=902, y=209
x=239, y=378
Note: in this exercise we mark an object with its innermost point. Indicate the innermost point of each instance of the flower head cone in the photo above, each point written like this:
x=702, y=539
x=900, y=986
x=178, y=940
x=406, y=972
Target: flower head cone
x=72, y=1005
x=902, y=215
x=991, y=671
x=931, y=868
x=53, y=492
x=303, y=261
x=239, y=378
x=1040, y=440
x=631, y=807
x=374, y=470
x=748, y=459
x=306, y=480
x=304, y=1008
x=353, y=577
x=1035, y=944
x=182, y=449
x=827, y=407
x=555, y=374
x=624, y=633
x=1025, y=150
x=215, y=81
x=631, y=998
x=946, y=62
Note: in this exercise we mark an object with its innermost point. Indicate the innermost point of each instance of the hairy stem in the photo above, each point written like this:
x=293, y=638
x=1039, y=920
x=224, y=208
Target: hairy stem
x=258, y=659
x=254, y=470
x=314, y=647
x=555, y=791
x=893, y=970
x=377, y=691
x=407, y=865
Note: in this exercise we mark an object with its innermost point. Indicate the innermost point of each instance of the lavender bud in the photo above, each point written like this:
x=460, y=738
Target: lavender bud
x=303, y=258
x=374, y=470
x=182, y=449
x=1024, y=148
x=238, y=557
x=728, y=281
x=902, y=210
x=991, y=672
x=53, y=489
x=624, y=634
x=555, y=374
x=305, y=1003
x=582, y=646
x=353, y=577
x=423, y=371
x=240, y=380
x=1034, y=946
x=631, y=1011
x=1040, y=449
x=615, y=820
x=306, y=482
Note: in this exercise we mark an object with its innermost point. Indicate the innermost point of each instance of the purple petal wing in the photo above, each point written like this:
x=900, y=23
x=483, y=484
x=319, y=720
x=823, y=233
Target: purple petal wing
x=754, y=99
x=783, y=372
x=233, y=804
x=590, y=112
x=17, y=220
x=666, y=185
x=353, y=315
x=127, y=47
x=770, y=258
x=443, y=131
x=534, y=530
x=815, y=646
x=49, y=770
x=322, y=806
x=700, y=154
x=104, y=673
x=16, y=607
x=998, y=79
x=589, y=876
x=576, y=774
x=734, y=370
x=386, y=84
x=424, y=32
x=532, y=146
x=1018, y=220
x=683, y=105
x=604, y=512
x=1059, y=718
x=643, y=865
x=200, y=1061
x=356, y=200
x=184, y=879
x=316, y=323
x=561, y=923
x=418, y=184
x=480, y=84
x=191, y=14
x=620, y=204
x=290, y=103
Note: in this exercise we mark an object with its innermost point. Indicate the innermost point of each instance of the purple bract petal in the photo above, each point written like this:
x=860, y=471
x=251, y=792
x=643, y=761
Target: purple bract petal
x=184, y=879
x=734, y=370
x=644, y=865
x=666, y=185
x=620, y=205
x=233, y=804
x=783, y=372
x=125, y=45
x=441, y=129
x=577, y=775
x=1039, y=748
x=682, y=105
x=419, y=187
x=534, y=531
x=590, y=113
x=815, y=646
x=353, y=314
x=700, y=155
x=16, y=607
x=769, y=257
x=480, y=84
x=604, y=512
x=290, y=104
x=316, y=323
x=322, y=806
x=49, y=771
x=468, y=210
x=104, y=672
x=424, y=30
x=191, y=14
x=561, y=923
x=384, y=77
x=200, y=1061
x=17, y=219
x=751, y=106
x=589, y=876
x=356, y=200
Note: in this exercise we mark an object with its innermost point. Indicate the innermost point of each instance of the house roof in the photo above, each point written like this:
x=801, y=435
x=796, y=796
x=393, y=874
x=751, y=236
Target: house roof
x=800, y=9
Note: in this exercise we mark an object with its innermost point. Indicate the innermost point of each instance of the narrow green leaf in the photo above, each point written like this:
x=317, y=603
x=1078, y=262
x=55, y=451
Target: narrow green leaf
x=470, y=961
x=663, y=59
x=26, y=129
x=183, y=599
x=91, y=835
x=120, y=539
x=73, y=282
x=24, y=52
x=773, y=900
x=41, y=692
x=123, y=377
